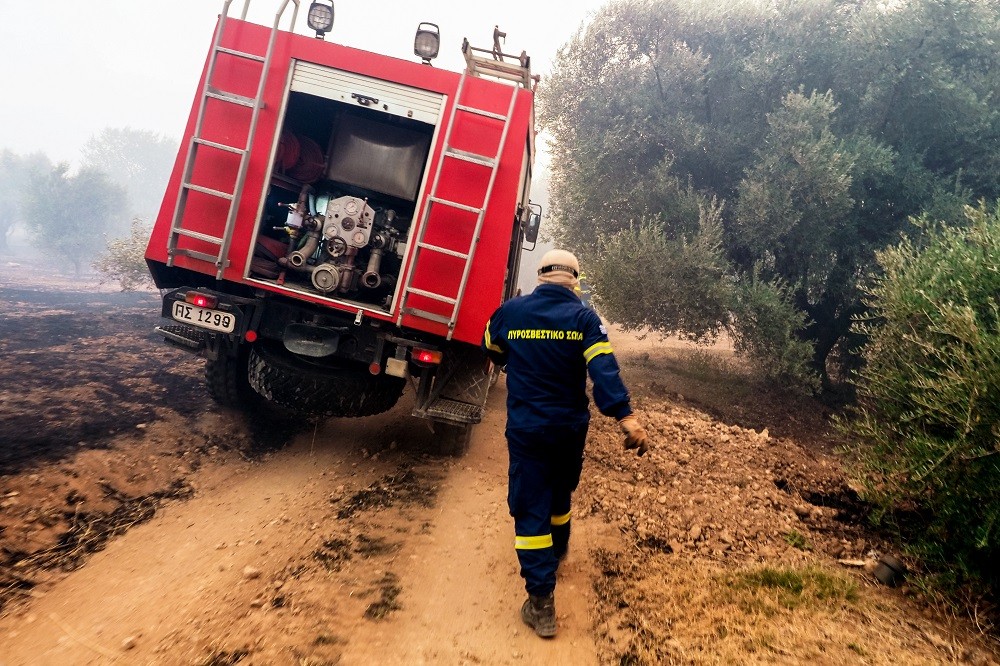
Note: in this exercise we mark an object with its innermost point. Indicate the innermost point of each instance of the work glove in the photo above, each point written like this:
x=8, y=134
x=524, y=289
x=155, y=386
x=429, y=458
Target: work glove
x=635, y=434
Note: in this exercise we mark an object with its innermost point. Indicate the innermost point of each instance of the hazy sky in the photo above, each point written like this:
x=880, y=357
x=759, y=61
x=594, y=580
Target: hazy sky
x=70, y=68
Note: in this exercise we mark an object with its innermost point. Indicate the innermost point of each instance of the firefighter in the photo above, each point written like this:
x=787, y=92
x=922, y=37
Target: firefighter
x=549, y=342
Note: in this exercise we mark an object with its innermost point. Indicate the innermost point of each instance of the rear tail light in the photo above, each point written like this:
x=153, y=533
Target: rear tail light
x=426, y=356
x=201, y=300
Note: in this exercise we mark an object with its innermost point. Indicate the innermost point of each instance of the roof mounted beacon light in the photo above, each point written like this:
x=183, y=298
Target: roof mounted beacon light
x=320, y=17
x=427, y=43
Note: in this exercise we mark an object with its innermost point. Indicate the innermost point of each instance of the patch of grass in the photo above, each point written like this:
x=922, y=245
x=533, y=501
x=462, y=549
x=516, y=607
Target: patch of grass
x=796, y=539
x=708, y=365
x=795, y=587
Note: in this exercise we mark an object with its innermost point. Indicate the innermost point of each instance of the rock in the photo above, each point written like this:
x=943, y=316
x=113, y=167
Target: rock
x=257, y=603
x=129, y=643
x=694, y=533
x=250, y=572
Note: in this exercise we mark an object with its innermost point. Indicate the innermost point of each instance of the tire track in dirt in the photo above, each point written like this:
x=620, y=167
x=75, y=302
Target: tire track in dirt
x=461, y=592
x=351, y=546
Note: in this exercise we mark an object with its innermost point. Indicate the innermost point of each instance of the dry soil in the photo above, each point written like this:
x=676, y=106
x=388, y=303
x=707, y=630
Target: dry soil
x=141, y=524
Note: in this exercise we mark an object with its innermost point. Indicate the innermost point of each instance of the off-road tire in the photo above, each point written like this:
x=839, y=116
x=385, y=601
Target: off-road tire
x=309, y=387
x=451, y=439
x=226, y=378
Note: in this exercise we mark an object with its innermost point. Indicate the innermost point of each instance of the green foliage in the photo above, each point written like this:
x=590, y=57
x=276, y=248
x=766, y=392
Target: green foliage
x=658, y=107
x=796, y=587
x=797, y=540
x=124, y=261
x=763, y=329
x=928, y=424
x=795, y=204
x=646, y=279
x=69, y=215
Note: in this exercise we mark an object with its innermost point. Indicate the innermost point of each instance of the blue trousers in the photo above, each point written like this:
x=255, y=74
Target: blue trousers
x=545, y=466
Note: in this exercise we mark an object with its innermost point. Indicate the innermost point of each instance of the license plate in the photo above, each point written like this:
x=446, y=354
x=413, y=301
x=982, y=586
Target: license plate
x=213, y=320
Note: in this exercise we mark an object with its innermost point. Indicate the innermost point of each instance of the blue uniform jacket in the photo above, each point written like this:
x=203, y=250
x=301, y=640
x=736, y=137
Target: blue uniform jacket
x=549, y=341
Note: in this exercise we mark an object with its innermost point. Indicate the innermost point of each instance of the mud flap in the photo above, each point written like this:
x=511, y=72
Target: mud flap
x=460, y=387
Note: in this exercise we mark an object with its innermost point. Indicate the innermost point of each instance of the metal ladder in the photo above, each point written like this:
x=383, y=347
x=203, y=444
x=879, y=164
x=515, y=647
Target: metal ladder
x=256, y=103
x=450, y=152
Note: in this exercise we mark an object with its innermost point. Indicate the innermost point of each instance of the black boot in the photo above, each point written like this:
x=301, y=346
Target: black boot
x=539, y=613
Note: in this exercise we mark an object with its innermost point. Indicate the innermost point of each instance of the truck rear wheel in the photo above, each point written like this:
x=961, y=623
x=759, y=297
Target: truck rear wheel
x=452, y=439
x=311, y=388
x=226, y=377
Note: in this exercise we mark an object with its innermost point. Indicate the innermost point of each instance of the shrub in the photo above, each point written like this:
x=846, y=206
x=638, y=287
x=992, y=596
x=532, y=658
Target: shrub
x=763, y=327
x=643, y=278
x=124, y=260
x=927, y=432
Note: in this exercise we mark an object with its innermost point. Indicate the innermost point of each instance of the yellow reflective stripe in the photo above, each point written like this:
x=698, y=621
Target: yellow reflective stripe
x=597, y=350
x=489, y=341
x=561, y=520
x=533, y=542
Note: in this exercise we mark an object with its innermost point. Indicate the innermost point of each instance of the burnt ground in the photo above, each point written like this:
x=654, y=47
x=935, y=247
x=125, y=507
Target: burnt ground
x=88, y=393
x=80, y=368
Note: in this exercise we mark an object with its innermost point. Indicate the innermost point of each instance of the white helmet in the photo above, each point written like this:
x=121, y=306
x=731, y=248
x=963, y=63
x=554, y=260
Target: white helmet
x=559, y=267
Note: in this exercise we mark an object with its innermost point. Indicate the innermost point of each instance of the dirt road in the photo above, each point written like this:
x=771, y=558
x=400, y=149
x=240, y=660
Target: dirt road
x=322, y=551
x=141, y=525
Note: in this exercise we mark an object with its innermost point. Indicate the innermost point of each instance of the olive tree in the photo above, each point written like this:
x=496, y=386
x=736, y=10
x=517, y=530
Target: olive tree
x=71, y=214
x=819, y=127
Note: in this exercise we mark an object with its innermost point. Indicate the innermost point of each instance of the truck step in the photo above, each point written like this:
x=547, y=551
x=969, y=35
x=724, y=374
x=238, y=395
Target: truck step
x=455, y=204
x=241, y=54
x=430, y=316
x=433, y=295
x=454, y=411
x=467, y=156
x=184, y=336
x=220, y=146
x=242, y=100
x=205, y=190
x=215, y=240
x=480, y=112
x=200, y=256
x=443, y=250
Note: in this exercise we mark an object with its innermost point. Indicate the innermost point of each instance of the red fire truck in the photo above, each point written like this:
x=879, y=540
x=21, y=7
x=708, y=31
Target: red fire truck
x=339, y=223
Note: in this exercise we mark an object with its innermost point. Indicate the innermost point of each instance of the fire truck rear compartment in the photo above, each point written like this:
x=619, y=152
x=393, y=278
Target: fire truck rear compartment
x=340, y=204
